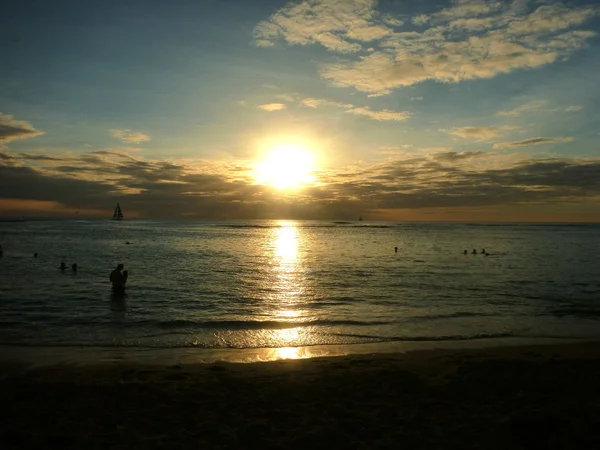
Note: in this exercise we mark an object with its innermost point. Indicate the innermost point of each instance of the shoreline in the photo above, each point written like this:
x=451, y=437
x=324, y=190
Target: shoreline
x=518, y=397
x=26, y=357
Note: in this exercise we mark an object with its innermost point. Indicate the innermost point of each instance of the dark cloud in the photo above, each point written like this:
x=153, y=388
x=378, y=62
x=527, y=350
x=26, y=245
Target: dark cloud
x=11, y=129
x=532, y=141
x=95, y=181
x=454, y=156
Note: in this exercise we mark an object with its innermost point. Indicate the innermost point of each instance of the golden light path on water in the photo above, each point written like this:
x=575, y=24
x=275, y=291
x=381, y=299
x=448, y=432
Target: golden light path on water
x=288, y=288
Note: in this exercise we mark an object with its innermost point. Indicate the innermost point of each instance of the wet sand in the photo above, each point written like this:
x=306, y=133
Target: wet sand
x=498, y=398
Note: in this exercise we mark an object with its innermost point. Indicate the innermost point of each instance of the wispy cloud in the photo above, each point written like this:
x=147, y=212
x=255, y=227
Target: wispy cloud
x=272, y=107
x=480, y=133
x=532, y=141
x=11, y=129
x=533, y=105
x=286, y=97
x=317, y=102
x=380, y=115
x=129, y=136
x=471, y=39
x=573, y=108
x=537, y=105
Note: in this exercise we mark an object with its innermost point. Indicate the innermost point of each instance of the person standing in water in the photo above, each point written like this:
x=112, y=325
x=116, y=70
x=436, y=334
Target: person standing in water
x=63, y=266
x=118, y=279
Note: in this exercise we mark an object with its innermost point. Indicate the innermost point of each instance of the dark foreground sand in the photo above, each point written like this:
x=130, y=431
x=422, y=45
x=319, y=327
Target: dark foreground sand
x=506, y=398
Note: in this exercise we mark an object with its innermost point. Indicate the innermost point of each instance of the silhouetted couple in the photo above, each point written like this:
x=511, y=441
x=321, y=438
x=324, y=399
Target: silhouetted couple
x=118, y=280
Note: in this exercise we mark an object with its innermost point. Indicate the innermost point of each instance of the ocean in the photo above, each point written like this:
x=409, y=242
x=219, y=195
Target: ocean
x=281, y=284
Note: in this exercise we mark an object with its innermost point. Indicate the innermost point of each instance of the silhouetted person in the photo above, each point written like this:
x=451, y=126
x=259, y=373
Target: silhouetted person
x=35, y=255
x=63, y=266
x=474, y=252
x=465, y=252
x=396, y=249
x=483, y=251
x=118, y=280
x=74, y=267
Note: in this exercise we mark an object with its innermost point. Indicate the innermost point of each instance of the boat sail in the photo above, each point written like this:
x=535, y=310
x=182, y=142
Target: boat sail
x=117, y=215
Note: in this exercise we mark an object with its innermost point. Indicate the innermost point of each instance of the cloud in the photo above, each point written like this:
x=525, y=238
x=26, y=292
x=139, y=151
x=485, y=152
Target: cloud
x=285, y=97
x=532, y=141
x=421, y=19
x=196, y=188
x=380, y=115
x=392, y=21
x=333, y=24
x=480, y=133
x=11, y=129
x=129, y=136
x=533, y=105
x=446, y=155
x=471, y=39
x=317, y=102
x=272, y=107
x=551, y=18
x=467, y=8
x=537, y=105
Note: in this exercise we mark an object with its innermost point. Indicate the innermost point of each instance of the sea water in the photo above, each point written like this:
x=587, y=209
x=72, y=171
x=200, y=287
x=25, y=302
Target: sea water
x=256, y=284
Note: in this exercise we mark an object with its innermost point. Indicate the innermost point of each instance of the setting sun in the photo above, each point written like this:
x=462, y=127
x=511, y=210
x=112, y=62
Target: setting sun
x=286, y=166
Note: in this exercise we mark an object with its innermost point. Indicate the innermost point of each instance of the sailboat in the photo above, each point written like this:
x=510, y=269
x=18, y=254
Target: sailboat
x=117, y=215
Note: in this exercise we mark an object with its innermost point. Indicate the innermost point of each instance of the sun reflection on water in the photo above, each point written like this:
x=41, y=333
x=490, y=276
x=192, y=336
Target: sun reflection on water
x=287, y=287
x=289, y=353
x=286, y=244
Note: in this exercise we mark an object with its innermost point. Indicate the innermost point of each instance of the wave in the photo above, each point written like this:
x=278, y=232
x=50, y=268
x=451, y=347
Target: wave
x=458, y=337
x=456, y=315
x=262, y=325
x=582, y=311
x=532, y=224
x=362, y=339
x=301, y=225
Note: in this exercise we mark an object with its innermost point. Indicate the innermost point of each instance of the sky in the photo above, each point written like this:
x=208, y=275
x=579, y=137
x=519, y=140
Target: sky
x=462, y=110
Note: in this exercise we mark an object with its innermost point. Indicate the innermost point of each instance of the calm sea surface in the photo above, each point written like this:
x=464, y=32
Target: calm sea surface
x=285, y=283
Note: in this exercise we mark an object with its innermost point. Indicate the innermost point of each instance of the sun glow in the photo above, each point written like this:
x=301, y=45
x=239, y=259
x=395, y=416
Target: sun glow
x=286, y=167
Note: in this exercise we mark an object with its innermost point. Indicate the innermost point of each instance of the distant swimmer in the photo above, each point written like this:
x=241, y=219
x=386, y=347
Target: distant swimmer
x=127, y=243
x=63, y=266
x=465, y=252
x=483, y=251
x=474, y=252
x=118, y=279
x=396, y=249
x=74, y=267
x=35, y=255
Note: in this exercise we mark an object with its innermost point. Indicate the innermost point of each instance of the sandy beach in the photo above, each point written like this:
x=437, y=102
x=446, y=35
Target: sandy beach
x=511, y=397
